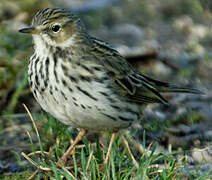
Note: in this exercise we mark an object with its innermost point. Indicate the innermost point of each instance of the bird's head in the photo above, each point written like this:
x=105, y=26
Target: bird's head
x=55, y=27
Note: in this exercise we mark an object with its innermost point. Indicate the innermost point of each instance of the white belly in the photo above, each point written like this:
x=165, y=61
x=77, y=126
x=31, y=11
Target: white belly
x=82, y=112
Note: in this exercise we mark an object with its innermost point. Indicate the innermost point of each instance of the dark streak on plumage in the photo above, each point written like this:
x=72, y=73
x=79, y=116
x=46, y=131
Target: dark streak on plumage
x=87, y=93
x=85, y=78
x=116, y=107
x=58, y=49
x=73, y=79
x=49, y=14
x=35, y=93
x=55, y=66
x=30, y=82
x=64, y=83
x=47, y=65
x=111, y=100
x=30, y=74
x=50, y=90
x=32, y=59
x=36, y=80
x=36, y=87
x=41, y=70
x=47, y=72
x=98, y=108
x=104, y=93
x=42, y=89
x=109, y=116
x=124, y=119
x=65, y=69
x=87, y=69
x=54, y=18
x=129, y=110
x=35, y=65
x=61, y=53
x=97, y=68
x=83, y=106
x=71, y=90
x=63, y=94
x=99, y=80
x=55, y=100
x=76, y=104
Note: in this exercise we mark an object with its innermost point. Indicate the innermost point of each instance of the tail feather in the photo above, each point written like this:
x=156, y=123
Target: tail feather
x=164, y=87
x=178, y=89
x=150, y=90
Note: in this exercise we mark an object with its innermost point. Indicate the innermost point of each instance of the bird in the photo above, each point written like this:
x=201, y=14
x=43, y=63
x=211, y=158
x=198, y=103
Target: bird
x=84, y=82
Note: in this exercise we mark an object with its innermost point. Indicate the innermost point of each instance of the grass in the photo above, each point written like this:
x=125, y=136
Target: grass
x=87, y=160
x=13, y=66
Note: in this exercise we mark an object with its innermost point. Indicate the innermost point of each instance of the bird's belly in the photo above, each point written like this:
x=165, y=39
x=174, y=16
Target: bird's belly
x=81, y=111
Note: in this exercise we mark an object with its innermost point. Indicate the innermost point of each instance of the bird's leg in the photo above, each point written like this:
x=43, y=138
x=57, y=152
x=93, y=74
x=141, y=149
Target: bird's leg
x=110, y=145
x=71, y=148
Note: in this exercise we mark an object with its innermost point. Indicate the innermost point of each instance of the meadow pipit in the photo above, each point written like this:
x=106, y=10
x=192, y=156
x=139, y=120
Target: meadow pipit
x=82, y=81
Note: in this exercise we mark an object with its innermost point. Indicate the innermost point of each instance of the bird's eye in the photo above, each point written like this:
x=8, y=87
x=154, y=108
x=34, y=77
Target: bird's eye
x=55, y=28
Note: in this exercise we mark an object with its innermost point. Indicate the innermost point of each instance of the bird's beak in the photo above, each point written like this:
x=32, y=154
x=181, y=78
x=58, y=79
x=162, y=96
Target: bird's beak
x=30, y=30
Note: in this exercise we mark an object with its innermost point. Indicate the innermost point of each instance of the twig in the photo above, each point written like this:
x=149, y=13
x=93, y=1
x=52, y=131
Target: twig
x=89, y=160
x=134, y=143
x=33, y=175
x=33, y=122
x=38, y=152
x=131, y=155
x=34, y=164
x=66, y=169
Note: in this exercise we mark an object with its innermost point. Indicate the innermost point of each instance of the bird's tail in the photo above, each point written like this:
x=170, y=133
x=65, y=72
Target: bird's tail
x=164, y=87
x=178, y=89
x=151, y=90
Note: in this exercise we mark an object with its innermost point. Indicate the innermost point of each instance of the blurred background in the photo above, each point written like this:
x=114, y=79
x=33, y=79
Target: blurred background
x=170, y=40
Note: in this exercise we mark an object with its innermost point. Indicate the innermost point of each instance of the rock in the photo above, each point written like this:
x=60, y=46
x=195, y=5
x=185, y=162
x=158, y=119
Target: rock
x=126, y=34
x=204, y=69
x=202, y=155
x=197, y=170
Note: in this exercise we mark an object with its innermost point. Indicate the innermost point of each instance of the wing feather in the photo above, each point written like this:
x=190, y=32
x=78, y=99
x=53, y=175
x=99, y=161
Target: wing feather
x=138, y=87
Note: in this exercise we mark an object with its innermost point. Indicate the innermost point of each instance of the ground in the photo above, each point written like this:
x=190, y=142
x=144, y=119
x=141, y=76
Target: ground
x=169, y=40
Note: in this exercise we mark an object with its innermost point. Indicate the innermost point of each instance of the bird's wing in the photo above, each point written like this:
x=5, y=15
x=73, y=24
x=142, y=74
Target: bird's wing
x=134, y=85
x=131, y=83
